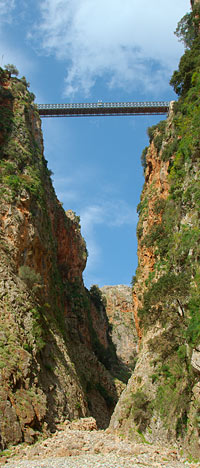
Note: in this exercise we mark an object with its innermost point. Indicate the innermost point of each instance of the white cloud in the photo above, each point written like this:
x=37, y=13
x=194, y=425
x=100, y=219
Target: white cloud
x=6, y=7
x=122, y=41
x=110, y=214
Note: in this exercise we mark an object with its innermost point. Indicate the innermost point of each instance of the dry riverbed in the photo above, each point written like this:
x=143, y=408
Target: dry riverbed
x=80, y=445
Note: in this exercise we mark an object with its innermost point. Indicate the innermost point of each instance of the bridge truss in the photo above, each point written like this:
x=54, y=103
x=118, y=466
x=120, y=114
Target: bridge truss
x=103, y=108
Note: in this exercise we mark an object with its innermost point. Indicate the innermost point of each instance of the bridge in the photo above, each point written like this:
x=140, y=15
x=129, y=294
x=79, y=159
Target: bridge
x=103, y=108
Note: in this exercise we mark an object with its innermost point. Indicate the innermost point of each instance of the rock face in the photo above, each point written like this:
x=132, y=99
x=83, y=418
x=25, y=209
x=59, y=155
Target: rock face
x=52, y=356
x=120, y=313
x=162, y=399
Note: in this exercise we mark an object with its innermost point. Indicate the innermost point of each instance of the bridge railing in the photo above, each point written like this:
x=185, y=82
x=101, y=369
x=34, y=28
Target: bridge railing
x=104, y=104
x=103, y=108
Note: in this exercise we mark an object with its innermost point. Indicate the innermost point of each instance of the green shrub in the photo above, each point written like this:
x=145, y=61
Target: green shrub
x=12, y=70
x=158, y=142
x=27, y=347
x=13, y=181
x=157, y=236
x=133, y=281
x=25, y=82
x=156, y=132
x=141, y=410
x=139, y=231
x=48, y=367
x=30, y=277
x=193, y=330
x=151, y=132
x=97, y=296
x=169, y=150
x=159, y=205
x=171, y=287
x=143, y=158
x=182, y=78
x=142, y=206
x=37, y=329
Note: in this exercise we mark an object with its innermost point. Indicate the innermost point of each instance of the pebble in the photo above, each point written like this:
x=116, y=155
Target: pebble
x=76, y=447
x=91, y=461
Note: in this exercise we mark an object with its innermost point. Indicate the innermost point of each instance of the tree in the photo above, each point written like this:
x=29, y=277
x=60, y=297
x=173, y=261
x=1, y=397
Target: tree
x=190, y=61
x=12, y=70
x=185, y=30
x=97, y=296
x=188, y=27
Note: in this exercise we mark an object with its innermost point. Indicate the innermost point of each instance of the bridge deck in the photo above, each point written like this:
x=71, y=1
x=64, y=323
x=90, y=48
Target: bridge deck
x=103, y=108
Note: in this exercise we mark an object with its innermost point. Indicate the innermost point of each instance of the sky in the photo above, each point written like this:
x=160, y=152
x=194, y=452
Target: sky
x=85, y=51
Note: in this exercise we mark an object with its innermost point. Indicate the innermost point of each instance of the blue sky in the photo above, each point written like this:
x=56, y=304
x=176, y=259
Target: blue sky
x=83, y=51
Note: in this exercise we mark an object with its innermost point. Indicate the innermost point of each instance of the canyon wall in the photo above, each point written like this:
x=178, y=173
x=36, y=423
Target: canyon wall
x=120, y=313
x=63, y=354
x=162, y=398
x=56, y=354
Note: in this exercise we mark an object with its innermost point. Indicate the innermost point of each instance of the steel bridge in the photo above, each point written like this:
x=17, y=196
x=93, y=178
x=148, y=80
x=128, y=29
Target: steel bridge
x=103, y=108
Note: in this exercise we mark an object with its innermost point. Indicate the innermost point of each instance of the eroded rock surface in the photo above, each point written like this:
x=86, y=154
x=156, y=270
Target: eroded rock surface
x=119, y=309
x=52, y=363
x=162, y=401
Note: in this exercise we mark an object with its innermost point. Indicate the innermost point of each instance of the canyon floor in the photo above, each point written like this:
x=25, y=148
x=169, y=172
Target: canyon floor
x=80, y=445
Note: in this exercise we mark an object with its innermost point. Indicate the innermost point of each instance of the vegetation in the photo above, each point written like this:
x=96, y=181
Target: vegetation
x=156, y=131
x=97, y=296
x=12, y=70
x=170, y=296
x=169, y=150
x=141, y=410
x=188, y=33
x=187, y=28
x=32, y=279
x=143, y=158
x=46, y=313
x=31, y=315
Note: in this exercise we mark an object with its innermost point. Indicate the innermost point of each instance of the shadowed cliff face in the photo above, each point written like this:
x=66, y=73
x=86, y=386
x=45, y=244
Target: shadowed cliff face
x=51, y=355
x=162, y=399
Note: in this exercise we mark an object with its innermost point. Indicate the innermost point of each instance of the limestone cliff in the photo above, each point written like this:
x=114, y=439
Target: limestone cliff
x=52, y=363
x=162, y=399
x=119, y=310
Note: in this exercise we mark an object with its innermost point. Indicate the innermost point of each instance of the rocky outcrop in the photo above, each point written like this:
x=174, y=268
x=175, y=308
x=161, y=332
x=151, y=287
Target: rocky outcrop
x=162, y=401
x=120, y=313
x=52, y=363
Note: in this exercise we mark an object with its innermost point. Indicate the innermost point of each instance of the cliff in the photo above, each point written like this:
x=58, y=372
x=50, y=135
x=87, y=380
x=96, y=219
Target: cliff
x=53, y=357
x=120, y=313
x=63, y=354
x=162, y=399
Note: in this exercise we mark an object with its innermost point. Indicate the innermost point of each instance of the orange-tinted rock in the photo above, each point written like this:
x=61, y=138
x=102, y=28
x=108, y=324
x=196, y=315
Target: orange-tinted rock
x=156, y=188
x=52, y=360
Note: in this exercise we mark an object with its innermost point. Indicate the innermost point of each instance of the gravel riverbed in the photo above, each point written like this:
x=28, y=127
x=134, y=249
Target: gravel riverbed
x=80, y=445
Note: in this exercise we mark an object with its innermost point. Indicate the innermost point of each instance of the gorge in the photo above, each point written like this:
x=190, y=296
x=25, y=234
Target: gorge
x=66, y=352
